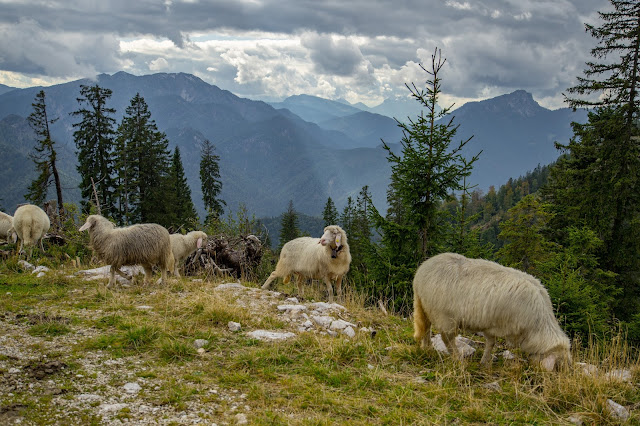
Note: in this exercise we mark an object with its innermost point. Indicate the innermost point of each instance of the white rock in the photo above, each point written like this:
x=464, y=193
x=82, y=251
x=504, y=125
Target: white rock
x=226, y=286
x=575, y=419
x=493, y=386
x=322, y=320
x=623, y=375
x=588, y=369
x=292, y=308
x=88, y=397
x=241, y=419
x=307, y=324
x=463, y=349
x=234, y=326
x=132, y=387
x=349, y=331
x=26, y=265
x=270, y=335
x=112, y=407
x=293, y=300
x=40, y=274
x=14, y=370
x=370, y=367
x=201, y=351
x=340, y=324
x=323, y=307
x=508, y=355
x=144, y=307
x=200, y=343
x=616, y=410
x=40, y=269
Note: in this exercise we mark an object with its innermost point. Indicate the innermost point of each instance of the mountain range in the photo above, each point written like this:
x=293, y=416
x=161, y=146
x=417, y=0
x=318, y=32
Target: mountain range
x=304, y=149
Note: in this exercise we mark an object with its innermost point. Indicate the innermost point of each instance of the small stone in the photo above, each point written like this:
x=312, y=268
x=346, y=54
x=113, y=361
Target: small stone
x=588, y=369
x=26, y=265
x=200, y=343
x=144, y=307
x=292, y=308
x=241, y=419
x=623, y=375
x=575, y=419
x=322, y=321
x=270, y=335
x=201, y=351
x=493, y=386
x=112, y=407
x=88, y=397
x=617, y=411
x=234, y=326
x=14, y=370
x=370, y=367
x=508, y=355
x=293, y=300
x=227, y=286
x=39, y=270
x=132, y=387
x=349, y=331
x=340, y=324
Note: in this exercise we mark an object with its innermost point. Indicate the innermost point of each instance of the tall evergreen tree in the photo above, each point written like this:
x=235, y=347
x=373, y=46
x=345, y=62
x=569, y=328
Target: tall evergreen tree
x=94, y=136
x=184, y=212
x=142, y=167
x=597, y=182
x=429, y=168
x=347, y=216
x=210, y=180
x=330, y=213
x=45, y=155
x=289, y=225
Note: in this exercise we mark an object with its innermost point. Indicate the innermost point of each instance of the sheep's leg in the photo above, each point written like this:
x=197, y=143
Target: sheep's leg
x=176, y=271
x=119, y=271
x=488, y=348
x=300, y=283
x=267, y=283
x=329, y=289
x=112, y=276
x=148, y=274
x=164, y=276
x=339, y=287
x=449, y=339
x=421, y=325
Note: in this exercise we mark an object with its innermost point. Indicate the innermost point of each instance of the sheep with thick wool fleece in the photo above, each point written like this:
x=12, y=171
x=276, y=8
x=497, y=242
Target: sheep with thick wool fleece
x=29, y=225
x=183, y=245
x=146, y=244
x=453, y=292
x=327, y=258
x=5, y=225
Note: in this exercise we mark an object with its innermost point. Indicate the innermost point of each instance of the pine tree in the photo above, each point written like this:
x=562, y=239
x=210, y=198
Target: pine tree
x=94, y=140
x=289, y=225
x=184, y=212
x=45, y=156
x=211, y=183
x=347, y=216
x=330, y=213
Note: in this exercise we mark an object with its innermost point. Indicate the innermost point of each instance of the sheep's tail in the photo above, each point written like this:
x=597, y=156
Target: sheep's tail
x=421, y=323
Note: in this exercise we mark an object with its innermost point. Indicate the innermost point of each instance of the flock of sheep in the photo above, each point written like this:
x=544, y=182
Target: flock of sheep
x=451, y=292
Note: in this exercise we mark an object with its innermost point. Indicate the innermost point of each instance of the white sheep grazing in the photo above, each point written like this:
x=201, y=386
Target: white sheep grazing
x=183, y=245
x=29, y=225
x=452, y=292
x=326, y=258
x=5, y=225
x=145, y=244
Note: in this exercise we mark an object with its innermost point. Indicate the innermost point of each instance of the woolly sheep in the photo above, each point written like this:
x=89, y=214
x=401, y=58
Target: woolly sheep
x=183, y=245
x=452, y=292
x=326, y=258
x=29, y=225
x=145, y=244
x=5, y=225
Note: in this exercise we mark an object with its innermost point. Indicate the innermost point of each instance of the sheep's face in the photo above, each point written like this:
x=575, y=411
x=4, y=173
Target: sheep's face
x=12, y=235
x=88, y=224
x=333, y=238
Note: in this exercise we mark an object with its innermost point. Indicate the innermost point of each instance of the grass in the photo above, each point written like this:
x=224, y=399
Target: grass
x=311, y=379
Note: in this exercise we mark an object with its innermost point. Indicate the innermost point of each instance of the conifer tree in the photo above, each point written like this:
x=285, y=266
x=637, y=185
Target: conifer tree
x=142, y=167
x=289, y=225
x=347, y=216
x=45, y=156
x=184, y=212
x=430, y=167
x=210, y=181
x=330, y=213
x=94, y=136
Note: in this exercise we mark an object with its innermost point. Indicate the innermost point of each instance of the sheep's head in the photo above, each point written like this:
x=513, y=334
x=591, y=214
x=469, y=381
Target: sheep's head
x=93, y=220
x=335, y=238
x=12, y=235
x=201, y=238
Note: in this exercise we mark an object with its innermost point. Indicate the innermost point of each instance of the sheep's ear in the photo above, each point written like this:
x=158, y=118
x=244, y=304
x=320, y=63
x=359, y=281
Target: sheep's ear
x=199, y=243
x=549, y=362
x=14, y=237
x=338, y=242
x=86, y=226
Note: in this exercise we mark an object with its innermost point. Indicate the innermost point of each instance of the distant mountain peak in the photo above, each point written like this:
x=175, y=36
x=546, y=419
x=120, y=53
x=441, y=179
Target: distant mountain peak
x=519, y=103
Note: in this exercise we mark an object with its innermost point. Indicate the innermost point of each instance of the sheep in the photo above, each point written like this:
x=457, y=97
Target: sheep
x=30, y=224
x=145, y=244
x=452, y=292
x=183, y=245
x=326, y=258
x=5, y=224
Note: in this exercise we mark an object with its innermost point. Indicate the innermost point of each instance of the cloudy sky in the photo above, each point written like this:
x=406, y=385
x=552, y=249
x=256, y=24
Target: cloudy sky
x=360, y=50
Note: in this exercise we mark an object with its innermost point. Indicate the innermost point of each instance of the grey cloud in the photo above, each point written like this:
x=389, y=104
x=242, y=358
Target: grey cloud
x=340, y=57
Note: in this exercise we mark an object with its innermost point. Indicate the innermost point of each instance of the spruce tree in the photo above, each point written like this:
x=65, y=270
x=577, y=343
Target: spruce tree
x=184, y=212
x=45, y=156
x=430, y=167
x=94, y=137
x=210, y=181
x=330, y=213
x=289, y=225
